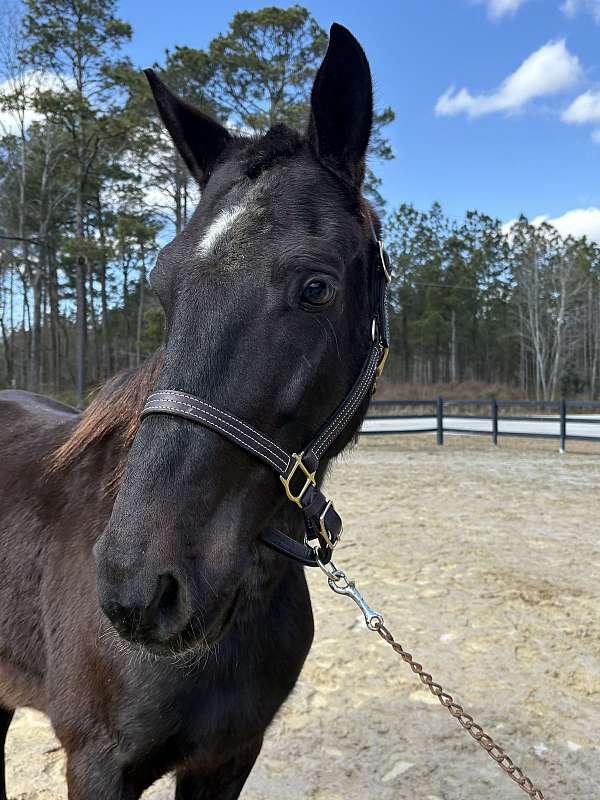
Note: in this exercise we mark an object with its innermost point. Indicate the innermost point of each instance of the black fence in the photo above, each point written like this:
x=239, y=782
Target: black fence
x=573, y=426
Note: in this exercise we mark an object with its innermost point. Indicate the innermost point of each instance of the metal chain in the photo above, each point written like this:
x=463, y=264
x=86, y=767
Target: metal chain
x=340, y=584
x=466, y=720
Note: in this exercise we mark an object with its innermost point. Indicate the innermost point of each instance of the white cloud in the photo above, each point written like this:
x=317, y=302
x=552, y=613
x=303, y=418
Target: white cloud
x=26, y=85
x=572, y=7
x=548, y=71
x=499, y=8
x=577, y=223
x=585, y=108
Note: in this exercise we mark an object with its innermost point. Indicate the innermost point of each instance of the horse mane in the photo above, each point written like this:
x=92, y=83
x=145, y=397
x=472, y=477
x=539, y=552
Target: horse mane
x=113, y=414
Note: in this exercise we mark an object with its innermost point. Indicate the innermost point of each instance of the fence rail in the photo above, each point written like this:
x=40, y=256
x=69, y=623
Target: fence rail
x=558, y=425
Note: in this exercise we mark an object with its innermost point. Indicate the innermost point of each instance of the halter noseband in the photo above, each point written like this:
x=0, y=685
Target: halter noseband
x=297, y=471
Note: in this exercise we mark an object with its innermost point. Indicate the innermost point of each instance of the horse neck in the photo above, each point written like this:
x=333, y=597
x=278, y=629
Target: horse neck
x=107, y=427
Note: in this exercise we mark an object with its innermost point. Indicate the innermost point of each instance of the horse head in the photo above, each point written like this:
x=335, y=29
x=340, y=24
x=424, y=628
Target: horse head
x=266, y=298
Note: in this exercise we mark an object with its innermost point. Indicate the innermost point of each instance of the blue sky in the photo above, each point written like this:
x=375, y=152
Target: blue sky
x=504, y=145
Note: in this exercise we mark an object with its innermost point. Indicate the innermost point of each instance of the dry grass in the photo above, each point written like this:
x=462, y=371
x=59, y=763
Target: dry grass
x=466, y=390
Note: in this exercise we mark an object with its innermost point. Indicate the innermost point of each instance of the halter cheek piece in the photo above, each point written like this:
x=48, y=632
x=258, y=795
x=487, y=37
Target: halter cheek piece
x=297, y=471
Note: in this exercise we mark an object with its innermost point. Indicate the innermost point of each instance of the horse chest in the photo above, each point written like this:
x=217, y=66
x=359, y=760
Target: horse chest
x=201, y=712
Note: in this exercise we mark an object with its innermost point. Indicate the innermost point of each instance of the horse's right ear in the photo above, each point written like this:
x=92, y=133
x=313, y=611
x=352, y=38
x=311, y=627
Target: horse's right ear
x=199, y=139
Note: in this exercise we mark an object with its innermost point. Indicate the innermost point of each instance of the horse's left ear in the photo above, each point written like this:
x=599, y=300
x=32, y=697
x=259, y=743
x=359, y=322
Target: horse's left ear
x=342, y=106
x=199, y=139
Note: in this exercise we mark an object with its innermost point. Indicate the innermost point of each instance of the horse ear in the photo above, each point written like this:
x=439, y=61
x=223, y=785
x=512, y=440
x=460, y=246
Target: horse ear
x=199, y=139
x=342, y=106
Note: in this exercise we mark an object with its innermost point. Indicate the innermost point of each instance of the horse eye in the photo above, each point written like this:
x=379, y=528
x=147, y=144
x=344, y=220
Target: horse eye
x=318, y=292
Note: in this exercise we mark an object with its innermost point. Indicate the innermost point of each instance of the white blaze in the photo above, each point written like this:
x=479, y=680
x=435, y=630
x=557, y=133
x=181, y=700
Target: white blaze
x=218, y=227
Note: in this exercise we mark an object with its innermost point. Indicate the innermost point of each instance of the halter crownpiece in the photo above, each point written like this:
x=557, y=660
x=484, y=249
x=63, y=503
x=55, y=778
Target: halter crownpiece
x=297, y=471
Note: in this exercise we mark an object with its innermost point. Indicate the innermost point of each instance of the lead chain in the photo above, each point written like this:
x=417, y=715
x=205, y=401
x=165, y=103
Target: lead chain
x=340, y=584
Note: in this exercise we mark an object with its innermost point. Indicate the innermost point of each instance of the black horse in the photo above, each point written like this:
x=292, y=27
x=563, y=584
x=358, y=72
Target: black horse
x=266, y=300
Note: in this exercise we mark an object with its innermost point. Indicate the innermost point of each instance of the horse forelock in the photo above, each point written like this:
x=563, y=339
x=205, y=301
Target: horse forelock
x=278, y=144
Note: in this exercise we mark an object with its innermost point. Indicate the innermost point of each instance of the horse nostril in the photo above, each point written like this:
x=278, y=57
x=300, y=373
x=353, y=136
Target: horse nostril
x=141, y=619
x=166, y=600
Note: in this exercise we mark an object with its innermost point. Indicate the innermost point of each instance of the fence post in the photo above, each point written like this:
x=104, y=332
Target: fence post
x=440, y=420
x=495, y=421
x=563, y=425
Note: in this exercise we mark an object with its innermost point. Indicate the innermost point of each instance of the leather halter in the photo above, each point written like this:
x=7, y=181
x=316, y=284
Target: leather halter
x=297, y=471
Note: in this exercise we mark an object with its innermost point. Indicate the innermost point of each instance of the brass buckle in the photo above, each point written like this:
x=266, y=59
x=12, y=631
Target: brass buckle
x=324, y=532
x=310, y=480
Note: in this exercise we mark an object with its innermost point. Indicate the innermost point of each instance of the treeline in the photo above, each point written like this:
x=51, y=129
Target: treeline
x=90, y=186
x=475, y=301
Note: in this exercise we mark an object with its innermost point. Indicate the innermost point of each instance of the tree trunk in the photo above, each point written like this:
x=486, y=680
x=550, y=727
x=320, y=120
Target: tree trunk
x=179, y=182
x=453, y=350
x=8, y=363
x=128, y=342
x=35, y=364
x=95, y=345
x=107, y=361
x=80, y=300
x=140, y=316
x=55, y=375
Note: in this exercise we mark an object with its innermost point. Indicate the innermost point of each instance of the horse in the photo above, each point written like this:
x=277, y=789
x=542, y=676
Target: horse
x=139, y=608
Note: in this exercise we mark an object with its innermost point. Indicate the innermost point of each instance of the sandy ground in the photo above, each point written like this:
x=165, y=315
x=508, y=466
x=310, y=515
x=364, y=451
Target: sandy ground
x=486, y=564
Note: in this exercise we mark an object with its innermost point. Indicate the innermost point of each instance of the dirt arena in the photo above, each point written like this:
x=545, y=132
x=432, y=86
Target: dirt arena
x=486, y=564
